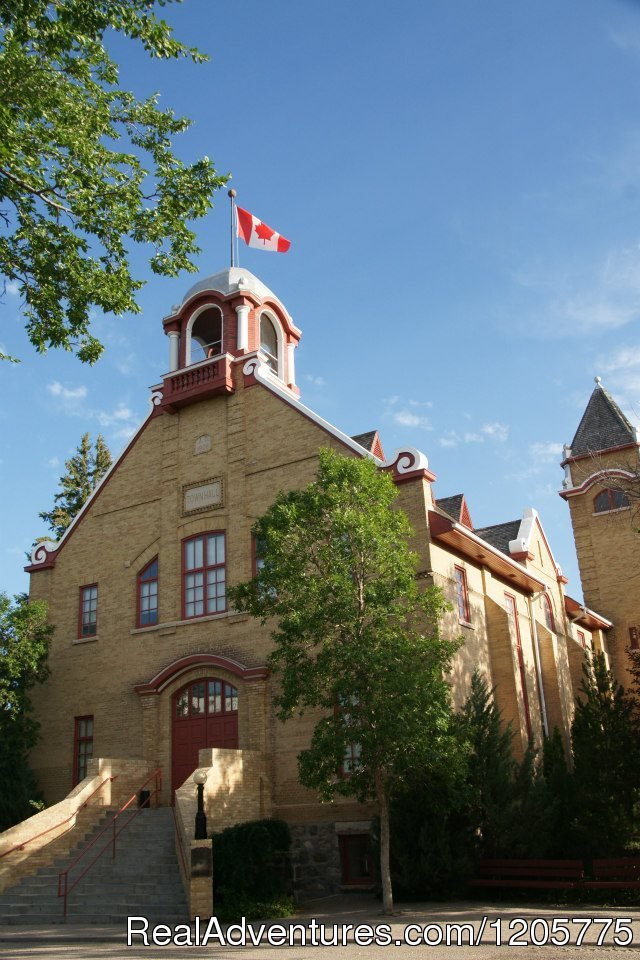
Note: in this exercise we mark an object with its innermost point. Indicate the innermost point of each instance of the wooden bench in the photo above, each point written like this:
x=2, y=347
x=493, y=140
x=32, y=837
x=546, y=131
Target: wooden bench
x=615, y=874
x=550, y=874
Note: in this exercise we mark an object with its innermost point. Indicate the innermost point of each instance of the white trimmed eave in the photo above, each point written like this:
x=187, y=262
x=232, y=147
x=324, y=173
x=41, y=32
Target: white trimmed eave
x=489, y=548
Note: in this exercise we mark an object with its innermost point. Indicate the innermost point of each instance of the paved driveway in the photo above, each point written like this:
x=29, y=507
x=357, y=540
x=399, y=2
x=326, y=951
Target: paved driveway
x=353, y=928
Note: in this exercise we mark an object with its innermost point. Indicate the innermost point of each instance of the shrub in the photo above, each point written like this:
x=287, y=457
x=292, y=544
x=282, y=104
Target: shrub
x=251, y=868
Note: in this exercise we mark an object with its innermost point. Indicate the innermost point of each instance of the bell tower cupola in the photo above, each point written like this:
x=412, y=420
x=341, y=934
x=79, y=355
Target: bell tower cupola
x=223, y=320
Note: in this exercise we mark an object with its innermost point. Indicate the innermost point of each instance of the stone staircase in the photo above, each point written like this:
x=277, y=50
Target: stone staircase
x=143, y=880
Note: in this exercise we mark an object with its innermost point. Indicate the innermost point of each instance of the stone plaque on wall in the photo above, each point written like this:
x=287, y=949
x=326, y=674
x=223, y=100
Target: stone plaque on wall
x=202, y=444
x=207, y=495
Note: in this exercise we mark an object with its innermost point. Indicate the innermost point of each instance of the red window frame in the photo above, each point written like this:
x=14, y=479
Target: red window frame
x=92, y=607
x=81, y=739
x=605, y=500
x=462, y=595
x=549, y=619
x=582, y=639
x=357, y=846
x=142, y=580
x=512, y=613
x=204, y=571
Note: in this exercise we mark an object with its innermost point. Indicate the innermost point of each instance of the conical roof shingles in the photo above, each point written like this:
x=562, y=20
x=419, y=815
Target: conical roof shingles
x=602, y=427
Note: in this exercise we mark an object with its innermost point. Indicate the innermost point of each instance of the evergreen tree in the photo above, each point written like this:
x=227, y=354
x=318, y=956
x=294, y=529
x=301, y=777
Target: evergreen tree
x=24, y=642
x=491, y=768
x=606, y=774
x=84, y=472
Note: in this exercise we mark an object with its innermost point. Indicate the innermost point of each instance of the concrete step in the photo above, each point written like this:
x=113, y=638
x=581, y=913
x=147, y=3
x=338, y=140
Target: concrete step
x=143, y=879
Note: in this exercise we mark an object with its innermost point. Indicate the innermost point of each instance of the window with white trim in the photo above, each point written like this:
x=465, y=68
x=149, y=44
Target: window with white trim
x=269, y=343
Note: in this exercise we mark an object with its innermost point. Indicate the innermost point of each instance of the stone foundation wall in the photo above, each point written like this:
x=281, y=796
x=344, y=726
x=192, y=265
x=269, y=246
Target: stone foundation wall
x=315, y=860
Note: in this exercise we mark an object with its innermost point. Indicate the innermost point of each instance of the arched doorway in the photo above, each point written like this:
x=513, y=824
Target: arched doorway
x=204, y=714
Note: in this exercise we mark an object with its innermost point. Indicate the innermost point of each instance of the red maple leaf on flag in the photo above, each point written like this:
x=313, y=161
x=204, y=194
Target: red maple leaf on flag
x=264, y=232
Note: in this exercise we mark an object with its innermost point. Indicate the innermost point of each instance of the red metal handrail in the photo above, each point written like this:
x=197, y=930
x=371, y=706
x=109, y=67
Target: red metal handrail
x=64, y=889
x=21, y=846
x=179, y=839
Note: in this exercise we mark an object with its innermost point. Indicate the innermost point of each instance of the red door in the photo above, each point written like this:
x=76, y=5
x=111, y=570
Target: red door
x=205, y=714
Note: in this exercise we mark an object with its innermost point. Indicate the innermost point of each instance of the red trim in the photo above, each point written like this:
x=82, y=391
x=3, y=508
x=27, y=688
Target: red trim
x=81, y=634
x=462, y=595
x=346, y=840
x=168, y=674
x=399, y=478
x=586, y=456
x=77, y=740
x=465, y=516
x=549, y=619
x=456, y=537
x=600, y=476
x=582, y=639
x=140, y=579
x=513, y=604
x=203, y=570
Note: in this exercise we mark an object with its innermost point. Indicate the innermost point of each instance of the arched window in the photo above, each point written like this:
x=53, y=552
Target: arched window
x=608, y=500
x=148, y=595
x=548, y=614
x=206, y=698
x=269, y=342
x=206, y=335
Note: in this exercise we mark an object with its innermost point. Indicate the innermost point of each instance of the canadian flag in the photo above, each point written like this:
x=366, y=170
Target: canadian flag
x=255, y=233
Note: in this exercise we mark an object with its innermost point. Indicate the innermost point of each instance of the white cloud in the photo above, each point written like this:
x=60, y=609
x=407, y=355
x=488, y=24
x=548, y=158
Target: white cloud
x=594, y=297
x=52, y=462
x=407, y=419
x=121, y=413
x=473, y=438
x=66, y=394
x=449, y=439
x=316, y=381
x=497, y=431
x=421, y=403
x=125, y=433
x=12, y=288
x=546, y=451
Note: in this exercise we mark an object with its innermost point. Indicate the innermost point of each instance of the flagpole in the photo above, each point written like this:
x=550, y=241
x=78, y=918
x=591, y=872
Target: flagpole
x=232, y=194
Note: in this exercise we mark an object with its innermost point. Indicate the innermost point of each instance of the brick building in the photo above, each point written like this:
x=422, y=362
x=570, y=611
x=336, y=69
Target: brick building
x=602, y=470
x=150, y=666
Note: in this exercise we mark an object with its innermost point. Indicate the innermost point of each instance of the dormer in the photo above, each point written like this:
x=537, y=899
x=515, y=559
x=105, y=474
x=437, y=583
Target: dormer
x=223, y=319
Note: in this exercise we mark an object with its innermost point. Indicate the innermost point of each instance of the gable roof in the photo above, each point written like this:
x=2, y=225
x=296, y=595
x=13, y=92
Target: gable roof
x=371, y=442
x=602, y=427
x=456, y=508
x=500, y=535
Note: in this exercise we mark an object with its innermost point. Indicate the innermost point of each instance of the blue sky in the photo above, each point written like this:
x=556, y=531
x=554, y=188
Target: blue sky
x=461, y=186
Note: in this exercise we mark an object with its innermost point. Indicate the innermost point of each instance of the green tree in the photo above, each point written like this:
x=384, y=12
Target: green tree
x=24, y=641
x=71, y=204
x=491, y=767
x=356, y=639
x=84, y=471
x=606, y=764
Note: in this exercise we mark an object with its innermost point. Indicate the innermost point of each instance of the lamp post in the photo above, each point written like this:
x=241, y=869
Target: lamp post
x=200, y=778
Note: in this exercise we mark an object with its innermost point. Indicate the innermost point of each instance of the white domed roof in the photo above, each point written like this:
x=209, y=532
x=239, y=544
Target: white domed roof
x=231, y=280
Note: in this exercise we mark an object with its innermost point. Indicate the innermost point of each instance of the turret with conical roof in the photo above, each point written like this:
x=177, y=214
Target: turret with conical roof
x=602, y=475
